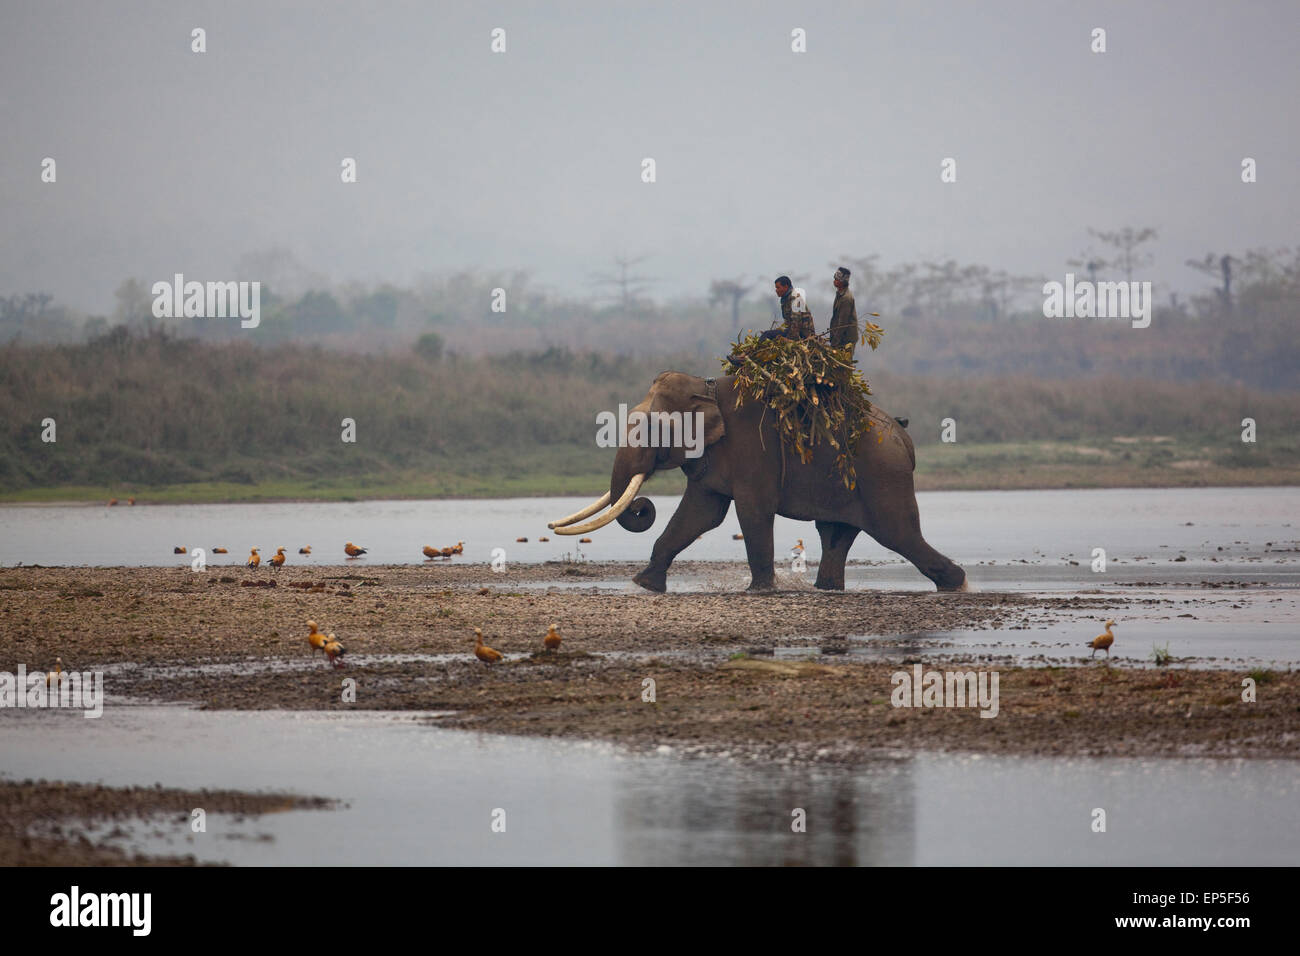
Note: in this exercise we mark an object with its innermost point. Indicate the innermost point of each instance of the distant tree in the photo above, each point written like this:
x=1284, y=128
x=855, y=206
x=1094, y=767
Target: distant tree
x=316, y=311
x=944, y=283
x=629, y=285
x=1217, y=267
x=429, y=346
x=1090, y=262
x=135, y=304
x=377, y=308
x=1000, y=289
x=280, y=268
x=1127, y=243
x=729, y=291
x=20, y=308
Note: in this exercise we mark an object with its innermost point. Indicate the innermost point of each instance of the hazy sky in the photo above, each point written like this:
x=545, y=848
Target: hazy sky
x=767, y=160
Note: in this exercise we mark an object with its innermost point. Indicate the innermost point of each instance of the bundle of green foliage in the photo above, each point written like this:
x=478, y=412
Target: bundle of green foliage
x=815, y=391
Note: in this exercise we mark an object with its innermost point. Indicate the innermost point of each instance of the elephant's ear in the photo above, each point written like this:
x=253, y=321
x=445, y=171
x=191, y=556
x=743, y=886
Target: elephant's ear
x=714, y=428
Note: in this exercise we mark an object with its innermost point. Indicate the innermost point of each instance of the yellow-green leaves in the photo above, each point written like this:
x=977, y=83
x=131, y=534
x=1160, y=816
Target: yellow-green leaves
x=815, y=391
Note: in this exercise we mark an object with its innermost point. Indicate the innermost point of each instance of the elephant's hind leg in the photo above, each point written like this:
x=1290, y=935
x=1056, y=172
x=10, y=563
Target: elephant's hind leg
x=837, y=539
x=701, y=510
x=902, y=533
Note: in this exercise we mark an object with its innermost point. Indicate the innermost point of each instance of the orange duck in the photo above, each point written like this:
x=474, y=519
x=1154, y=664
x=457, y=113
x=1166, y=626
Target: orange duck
x=484, y=653
x=1102, y=642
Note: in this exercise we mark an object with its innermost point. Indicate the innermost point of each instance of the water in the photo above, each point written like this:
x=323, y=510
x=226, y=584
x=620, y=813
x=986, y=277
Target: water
x=1045, y=528
x=420, y=795
x=1007, y=541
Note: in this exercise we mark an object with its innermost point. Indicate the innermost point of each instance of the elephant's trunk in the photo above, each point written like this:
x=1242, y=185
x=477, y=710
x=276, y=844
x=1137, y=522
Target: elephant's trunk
x=630, y=463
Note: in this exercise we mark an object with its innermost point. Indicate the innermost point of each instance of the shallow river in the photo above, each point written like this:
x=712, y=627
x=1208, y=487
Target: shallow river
x=1140, y=529
x=417, y=794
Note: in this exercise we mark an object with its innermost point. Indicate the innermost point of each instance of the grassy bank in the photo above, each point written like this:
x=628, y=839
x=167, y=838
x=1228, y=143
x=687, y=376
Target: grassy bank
x=185, y=421
x=1119, y=462
x=942, y=467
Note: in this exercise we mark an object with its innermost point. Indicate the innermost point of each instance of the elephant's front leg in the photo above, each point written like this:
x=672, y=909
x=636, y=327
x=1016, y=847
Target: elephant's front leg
x=757, y=528
x=701, y=510
x=837, y=538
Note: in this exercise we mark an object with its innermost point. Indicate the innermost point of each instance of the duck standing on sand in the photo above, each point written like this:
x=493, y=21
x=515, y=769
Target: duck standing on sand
x=484, y=653
x=254, y=559
x=1102, y=642
x=55, y=676
x=353, y=551
x=334, y=651
x=316, y=639
x=552, y=639
x=277, y=559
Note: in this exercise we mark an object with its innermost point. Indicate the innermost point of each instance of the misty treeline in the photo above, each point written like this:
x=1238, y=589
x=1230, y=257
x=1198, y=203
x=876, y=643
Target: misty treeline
x=155, y=408
x=940, y=317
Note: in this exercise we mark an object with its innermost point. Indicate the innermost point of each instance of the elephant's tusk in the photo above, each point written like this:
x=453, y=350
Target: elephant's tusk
x=586, y=512
x=617, y=509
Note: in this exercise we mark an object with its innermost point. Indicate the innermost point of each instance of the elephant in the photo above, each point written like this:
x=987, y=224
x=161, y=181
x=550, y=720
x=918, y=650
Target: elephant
x=743, y=460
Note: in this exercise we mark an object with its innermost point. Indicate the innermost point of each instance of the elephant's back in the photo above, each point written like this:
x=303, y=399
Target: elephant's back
x=883, y=422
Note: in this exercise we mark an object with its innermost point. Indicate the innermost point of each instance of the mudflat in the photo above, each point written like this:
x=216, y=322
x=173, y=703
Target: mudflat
x=47, y=824
x=692, y=671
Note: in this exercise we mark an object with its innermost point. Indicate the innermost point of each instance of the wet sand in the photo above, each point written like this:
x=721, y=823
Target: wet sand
x=48, y=824
x=216, y=640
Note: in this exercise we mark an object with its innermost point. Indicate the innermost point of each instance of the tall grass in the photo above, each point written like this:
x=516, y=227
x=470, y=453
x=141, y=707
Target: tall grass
x=159, y=410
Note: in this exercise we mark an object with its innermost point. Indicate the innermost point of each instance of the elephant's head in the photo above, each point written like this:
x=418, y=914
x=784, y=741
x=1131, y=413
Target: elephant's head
x=672, y=425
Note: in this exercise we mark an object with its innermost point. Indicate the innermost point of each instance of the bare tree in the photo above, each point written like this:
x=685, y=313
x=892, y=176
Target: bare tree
x=16, y=308
x=630, y=286
x=1127, y=242
x=1219, y=267
x=729, y=291
x=1090, y=262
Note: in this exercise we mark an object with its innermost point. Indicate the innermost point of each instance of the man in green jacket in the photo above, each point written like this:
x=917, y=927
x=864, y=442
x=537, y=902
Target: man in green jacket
x=794, y=310
x=844, y=314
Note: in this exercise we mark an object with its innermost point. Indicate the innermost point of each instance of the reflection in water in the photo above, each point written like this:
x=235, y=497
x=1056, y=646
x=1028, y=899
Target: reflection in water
x=744, y=817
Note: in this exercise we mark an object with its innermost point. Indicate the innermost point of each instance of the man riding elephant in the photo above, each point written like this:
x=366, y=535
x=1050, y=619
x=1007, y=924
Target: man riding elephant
x=794, y=310
x=797, y=320
x=844, y=314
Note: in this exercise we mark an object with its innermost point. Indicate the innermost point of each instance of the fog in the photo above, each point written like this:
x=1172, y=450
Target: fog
x=767, y=160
